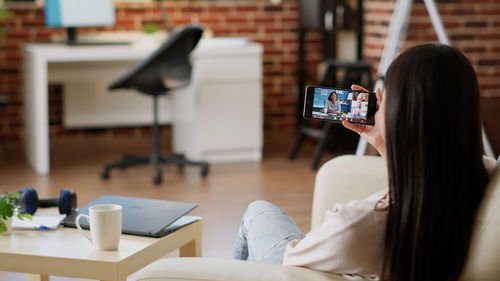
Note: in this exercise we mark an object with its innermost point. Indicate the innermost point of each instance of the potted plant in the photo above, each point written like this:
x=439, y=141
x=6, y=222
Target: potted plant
x=7, y=211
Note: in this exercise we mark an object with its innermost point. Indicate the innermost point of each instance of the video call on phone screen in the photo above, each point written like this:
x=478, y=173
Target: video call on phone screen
x=340, y=105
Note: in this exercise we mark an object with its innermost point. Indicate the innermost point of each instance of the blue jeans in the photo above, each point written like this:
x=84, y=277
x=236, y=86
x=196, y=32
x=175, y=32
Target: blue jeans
x=264, y=233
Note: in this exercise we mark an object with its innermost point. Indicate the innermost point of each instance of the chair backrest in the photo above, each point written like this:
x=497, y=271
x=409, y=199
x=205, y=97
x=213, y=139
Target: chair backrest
x=170, y=63
x=347, y=178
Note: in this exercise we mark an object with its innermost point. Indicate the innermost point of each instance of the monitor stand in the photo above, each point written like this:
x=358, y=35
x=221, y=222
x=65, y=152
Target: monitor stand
x=72, y=41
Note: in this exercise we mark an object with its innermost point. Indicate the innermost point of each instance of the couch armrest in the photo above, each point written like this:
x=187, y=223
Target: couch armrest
x=226, y=270
x=346, y=178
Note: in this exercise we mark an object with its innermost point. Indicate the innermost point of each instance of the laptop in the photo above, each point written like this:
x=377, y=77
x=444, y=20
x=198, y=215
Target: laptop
x=140, y=216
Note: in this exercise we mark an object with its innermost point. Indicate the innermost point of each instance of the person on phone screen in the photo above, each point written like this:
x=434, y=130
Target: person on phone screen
x=362, y=97
x=420, y=226
x=332, y=105
x=356, y=106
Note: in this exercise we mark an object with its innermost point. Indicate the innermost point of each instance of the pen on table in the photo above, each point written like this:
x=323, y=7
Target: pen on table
x=39, y=226
x=42, y=227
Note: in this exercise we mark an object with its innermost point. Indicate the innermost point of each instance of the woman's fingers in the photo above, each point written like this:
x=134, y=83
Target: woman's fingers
x=355, y=87
x=354, y=127
x=378, y=93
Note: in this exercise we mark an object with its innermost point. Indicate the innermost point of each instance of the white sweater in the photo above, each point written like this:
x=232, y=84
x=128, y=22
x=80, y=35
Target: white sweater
x=350, y=241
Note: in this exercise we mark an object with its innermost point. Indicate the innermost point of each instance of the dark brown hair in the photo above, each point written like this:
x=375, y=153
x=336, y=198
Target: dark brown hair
x=434, y=158
x=331, y=94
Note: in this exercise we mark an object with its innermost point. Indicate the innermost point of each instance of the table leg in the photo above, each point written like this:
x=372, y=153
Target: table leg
x=37, y=277
x=36, y=112
x=191, y=249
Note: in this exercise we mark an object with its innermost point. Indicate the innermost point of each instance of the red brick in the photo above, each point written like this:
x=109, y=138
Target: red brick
x=33, y=22
x=210, y=19
x=422, y=37
x=218, y=9
x=269, y=72
x=246, y=9
x=462, y=36
x=380, y=11
x=191, y=10
x=420, y=25
x=474, y=49
x=490, y=36
x=181, y=20
x=419, y=12
x=125, y=21
x=271, y=29
x=236, y=19
x=477, y=1
x=458, y=12
x=10, y=135
x=476, y=24
x=451, y=24
x=137, y=11
x=288, y=19
x=18, y=34
x=123, y=131
x=217, y=31
x=10, y=44
x=24, y=13
x=491, y=62
x=489, y=12
x=489, y=86
x=273, y=9
x=264, y=19
x=246, y=29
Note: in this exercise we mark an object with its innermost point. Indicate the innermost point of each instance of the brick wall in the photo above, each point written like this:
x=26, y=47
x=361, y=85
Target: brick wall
x=472, y=26
x=275, y=26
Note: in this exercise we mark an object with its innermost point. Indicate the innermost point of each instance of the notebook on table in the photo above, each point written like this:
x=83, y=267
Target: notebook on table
x=140, y=216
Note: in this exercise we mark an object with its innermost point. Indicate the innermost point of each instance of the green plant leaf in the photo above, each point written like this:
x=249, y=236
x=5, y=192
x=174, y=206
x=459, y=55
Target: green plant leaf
x=150, y=28
x=6, y=209
x=5, y=14
x=3, y=227
x=24, y=216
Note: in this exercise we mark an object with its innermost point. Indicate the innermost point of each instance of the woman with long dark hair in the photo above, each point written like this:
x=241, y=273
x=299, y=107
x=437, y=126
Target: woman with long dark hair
x=427, y=128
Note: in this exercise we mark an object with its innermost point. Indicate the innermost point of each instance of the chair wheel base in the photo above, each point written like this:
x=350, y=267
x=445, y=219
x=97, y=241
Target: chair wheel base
x=204, y=171
x=158, y=179
x=105, y=174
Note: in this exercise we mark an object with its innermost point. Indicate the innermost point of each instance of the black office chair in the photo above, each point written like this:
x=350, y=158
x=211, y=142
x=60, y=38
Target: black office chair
x=166, y=69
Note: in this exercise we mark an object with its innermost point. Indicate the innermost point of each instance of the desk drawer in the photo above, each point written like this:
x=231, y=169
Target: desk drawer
x=61, y=72
x=228, y=69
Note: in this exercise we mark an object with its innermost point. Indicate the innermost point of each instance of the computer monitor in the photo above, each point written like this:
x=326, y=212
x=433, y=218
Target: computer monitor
x=78, y=13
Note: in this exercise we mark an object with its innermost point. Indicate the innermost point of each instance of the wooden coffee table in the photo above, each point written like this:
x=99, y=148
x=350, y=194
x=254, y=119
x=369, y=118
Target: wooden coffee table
x=66, y=252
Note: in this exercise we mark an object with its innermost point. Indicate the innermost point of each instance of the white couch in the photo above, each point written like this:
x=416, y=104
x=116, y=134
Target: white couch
x=340, y=180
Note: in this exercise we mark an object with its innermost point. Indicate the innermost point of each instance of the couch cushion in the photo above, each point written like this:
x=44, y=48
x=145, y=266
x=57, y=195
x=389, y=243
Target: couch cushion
x=346, y=178
x=207, y=269
x=484, y=258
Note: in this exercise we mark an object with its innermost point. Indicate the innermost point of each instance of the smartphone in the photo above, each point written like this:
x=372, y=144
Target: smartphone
x=337, y=105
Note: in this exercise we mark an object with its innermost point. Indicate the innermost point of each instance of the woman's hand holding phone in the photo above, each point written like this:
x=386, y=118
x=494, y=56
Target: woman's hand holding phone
x=374, y=135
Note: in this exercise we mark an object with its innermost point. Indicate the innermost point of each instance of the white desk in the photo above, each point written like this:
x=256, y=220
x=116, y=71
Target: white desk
x=226, y=76
x=66, y=252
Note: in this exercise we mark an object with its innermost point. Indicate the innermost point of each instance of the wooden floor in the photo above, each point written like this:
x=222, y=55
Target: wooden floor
x=222, y=196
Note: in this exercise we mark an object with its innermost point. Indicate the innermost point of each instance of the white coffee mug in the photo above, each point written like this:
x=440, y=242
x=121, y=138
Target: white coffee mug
x=105, y=223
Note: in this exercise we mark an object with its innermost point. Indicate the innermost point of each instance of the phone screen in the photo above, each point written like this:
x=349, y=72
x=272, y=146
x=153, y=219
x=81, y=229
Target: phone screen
x=337, y=105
